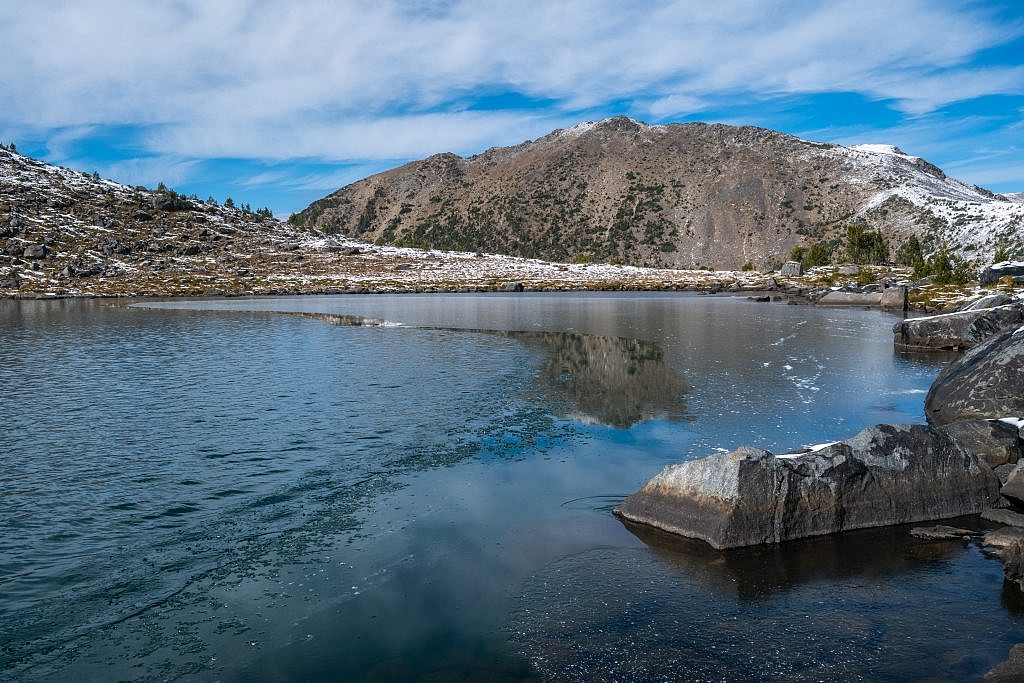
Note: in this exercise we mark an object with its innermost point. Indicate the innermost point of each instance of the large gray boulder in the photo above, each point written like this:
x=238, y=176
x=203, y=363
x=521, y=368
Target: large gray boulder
x=956, y=331
x=895, y=298
x=791, y=268
x=990, y=301
x=851, y=299
x=887, y=474
x=987, y=382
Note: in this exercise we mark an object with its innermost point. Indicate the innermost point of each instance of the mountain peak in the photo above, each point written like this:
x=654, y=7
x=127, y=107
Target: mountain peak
x=676, y=195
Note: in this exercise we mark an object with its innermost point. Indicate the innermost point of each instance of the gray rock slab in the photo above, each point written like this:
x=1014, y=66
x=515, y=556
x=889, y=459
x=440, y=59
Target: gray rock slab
x=887, y=474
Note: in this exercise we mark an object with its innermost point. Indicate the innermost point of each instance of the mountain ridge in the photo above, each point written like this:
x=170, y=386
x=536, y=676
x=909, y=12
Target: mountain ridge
x=668, y=195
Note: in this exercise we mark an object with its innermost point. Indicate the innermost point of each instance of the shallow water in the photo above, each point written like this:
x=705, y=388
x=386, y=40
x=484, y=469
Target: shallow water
x=217, y=491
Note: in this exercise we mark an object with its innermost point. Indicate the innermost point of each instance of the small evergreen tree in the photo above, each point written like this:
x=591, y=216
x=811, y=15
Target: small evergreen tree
x=1001, y=254
x=909, y=253
x=818, y=255
x=797, y=253
x=229, y=202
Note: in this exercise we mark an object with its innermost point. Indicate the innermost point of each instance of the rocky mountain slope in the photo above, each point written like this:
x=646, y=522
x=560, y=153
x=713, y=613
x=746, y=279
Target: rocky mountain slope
x=677, y=195
x=66, y=233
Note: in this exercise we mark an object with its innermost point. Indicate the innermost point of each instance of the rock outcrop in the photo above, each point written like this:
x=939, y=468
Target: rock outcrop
x=992, y=274
x=887, y=474
x=956, y=331
x=987, y=382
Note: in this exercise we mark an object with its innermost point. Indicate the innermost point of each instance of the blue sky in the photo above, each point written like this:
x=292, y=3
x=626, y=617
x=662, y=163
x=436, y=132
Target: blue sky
x=279, y=103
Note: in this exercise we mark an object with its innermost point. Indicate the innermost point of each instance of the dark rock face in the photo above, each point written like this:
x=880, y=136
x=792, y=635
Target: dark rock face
x=992, y=274
x=986, y=382
x=887, y=474
x=995, y=442
x=959, y=331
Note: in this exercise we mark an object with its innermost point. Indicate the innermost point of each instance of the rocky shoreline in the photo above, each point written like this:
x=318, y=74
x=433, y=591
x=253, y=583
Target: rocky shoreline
x=967, y=460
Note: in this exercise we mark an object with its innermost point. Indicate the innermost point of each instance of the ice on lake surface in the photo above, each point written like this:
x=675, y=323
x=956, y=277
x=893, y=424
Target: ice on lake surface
x=213, y=490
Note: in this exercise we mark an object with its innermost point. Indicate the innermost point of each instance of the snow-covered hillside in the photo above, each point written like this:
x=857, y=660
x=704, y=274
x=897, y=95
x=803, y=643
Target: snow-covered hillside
x=967, y=218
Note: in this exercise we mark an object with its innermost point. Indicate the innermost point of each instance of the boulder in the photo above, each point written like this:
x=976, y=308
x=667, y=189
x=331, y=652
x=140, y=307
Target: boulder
x=1010, y=671
x=994, y=441
x=36, y=251
x=989, y=301
x=1013, y=487
x=895, y=298
x=993, y=273
x=1007, y=517
x=986, y=382
x=959, y=331
x=1013, y=565
x=791, y=268
x=1003, y=538
x=1003, y=473
x=514, y=287
x=887, y=474
x=848, y=270
x=851, y=299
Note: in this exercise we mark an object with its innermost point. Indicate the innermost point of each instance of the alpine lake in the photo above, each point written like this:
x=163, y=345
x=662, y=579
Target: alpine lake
x=413, y=487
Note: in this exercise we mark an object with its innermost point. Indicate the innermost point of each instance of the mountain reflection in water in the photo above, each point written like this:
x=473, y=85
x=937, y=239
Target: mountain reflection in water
x=612, y=381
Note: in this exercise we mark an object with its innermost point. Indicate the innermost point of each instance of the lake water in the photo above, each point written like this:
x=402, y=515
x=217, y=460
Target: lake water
x=420, y=487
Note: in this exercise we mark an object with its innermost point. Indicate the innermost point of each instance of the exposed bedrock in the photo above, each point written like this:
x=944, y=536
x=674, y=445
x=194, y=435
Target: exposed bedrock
x=886, y=474
x=987, y=382
x=959, y=331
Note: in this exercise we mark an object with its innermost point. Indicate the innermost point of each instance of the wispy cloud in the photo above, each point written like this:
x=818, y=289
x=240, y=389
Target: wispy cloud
x=344, y=81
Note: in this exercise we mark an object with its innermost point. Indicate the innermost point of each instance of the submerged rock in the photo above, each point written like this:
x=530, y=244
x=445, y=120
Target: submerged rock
x=958, y=331
x=987, y=382
x=1010, y=671
x=941, y=532
x=887, y=474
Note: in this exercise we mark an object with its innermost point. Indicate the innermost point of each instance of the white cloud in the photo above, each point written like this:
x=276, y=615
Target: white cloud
x=248, y=78
x=369, y=83
x=144, y=170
